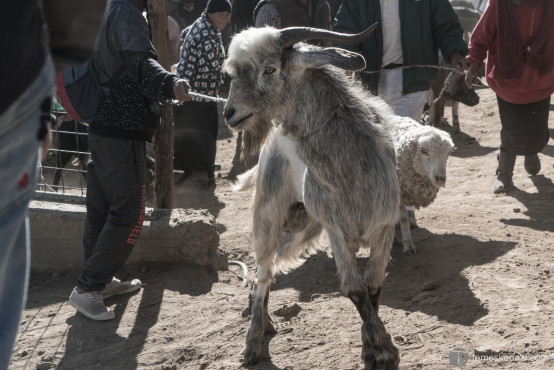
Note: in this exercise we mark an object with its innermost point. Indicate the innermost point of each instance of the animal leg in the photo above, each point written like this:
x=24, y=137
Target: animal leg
x=407, y=242
x=62, y=159
x=265, y=242
x=455, y=118
x=260, y=323
x=378, y=350
x=436, y=117
x=347, y=266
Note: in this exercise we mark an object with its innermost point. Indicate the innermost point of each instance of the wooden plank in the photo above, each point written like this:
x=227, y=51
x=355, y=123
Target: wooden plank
x=164, y=187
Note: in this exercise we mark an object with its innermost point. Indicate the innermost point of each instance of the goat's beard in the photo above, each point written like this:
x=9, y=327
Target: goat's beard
x=253, y=138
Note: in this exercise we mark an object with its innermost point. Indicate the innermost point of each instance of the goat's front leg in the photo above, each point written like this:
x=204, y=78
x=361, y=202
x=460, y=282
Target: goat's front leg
x=378, y=350
x=407, y=242
x=260, y=323
x=455, y=117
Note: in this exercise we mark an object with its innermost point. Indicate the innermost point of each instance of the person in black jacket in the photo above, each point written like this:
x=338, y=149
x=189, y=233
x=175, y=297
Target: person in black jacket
x=242, y=15
x=125, y=61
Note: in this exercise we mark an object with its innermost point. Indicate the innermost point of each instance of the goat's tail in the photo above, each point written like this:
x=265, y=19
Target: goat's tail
x=246, y=180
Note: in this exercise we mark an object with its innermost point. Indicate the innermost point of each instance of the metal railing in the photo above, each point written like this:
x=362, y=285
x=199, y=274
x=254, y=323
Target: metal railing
x=62, y=175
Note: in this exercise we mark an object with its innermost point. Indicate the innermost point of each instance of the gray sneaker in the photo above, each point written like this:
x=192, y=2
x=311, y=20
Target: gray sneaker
x=117, y=287
x=91, y=305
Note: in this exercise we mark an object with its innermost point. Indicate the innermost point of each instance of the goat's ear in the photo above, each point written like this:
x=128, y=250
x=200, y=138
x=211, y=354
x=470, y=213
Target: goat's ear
x=344, y=59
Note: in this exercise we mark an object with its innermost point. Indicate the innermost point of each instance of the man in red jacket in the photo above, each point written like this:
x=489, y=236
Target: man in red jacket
x=518, y=37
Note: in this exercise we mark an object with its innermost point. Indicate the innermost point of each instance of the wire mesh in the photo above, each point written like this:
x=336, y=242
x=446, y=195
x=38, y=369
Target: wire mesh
x=62, y=174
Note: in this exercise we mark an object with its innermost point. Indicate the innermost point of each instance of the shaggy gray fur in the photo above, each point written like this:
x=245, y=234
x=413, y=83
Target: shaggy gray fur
x=327, y=162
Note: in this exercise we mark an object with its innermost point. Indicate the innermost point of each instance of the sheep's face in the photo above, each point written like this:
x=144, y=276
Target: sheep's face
x=431, y=157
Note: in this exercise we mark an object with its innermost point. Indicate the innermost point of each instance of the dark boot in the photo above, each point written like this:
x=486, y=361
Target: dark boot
x=504, y=172
x=532, y=164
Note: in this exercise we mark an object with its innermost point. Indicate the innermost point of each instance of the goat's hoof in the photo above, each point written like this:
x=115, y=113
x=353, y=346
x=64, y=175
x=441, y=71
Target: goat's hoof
x=410, y=251
x=251, y=355
x=385, y=357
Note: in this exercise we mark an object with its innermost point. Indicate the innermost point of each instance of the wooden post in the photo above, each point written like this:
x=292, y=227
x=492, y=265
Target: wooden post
x=157, y=17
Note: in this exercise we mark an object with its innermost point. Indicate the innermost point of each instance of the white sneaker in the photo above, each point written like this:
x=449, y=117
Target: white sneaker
x=91, y=305
x=116, y=287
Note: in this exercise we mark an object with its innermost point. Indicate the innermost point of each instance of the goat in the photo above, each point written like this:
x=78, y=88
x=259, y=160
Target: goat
x=450, y=85
x=71, y=141
x=326, y=163
x=421, y=156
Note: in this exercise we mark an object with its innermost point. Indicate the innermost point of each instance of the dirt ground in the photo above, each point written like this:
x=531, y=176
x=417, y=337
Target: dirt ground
x=480, y=284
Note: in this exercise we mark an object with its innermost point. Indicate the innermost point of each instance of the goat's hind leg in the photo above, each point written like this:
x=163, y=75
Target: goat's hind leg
x=407, y=241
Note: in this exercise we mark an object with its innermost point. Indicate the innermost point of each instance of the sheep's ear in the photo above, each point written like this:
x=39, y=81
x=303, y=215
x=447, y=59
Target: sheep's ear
x=344, y=59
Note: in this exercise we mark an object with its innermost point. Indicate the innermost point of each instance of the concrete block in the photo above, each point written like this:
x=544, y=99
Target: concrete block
x=177, y=235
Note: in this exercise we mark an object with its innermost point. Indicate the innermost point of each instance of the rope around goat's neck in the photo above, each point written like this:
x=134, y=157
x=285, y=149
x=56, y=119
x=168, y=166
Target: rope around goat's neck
x=201, y=96
x=412, y=66
x=223, y=101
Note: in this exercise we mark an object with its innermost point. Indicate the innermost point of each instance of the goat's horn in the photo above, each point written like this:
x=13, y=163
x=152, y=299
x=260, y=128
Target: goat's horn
x=292, y=35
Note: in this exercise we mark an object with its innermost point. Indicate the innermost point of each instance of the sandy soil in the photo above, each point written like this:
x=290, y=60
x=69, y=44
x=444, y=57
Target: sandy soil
x=481, y=283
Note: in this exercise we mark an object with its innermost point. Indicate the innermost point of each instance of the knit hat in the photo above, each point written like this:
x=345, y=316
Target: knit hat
x=215, y=6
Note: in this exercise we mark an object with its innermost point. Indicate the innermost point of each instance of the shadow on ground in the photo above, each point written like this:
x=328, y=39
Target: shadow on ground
x=88, y=340
x=440, y=258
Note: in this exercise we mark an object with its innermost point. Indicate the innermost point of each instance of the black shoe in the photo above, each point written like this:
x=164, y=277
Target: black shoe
x=503, y=183
x=532, y=164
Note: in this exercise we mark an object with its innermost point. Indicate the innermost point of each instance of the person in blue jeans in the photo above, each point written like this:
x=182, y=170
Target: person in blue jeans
x=19, y=152
x=27, y=69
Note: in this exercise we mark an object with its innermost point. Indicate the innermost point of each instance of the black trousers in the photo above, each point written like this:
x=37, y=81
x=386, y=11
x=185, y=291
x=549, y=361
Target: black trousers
x=524, y=126
x=116, y=196
x=202, y=116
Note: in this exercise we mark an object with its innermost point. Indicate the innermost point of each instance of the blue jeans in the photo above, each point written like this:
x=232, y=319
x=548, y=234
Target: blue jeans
x=19, y=151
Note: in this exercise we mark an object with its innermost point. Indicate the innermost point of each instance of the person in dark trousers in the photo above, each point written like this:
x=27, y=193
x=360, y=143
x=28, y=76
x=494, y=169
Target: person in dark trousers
x=517, y=39
x=125, y=61
x=202, y=54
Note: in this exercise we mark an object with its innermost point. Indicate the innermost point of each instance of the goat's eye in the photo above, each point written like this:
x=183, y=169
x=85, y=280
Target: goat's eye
x=423, y=151
x=269, y=70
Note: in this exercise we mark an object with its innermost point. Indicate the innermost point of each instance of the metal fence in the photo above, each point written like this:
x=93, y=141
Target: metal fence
x=62, y=175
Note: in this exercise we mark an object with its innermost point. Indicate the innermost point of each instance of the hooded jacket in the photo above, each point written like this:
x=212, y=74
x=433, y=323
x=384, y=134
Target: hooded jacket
x=125, y=62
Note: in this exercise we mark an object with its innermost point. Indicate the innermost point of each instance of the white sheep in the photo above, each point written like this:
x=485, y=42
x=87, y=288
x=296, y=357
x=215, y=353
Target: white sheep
x=421, y=156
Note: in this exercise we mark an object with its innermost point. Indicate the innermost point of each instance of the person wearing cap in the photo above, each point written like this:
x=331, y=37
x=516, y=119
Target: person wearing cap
x=201, y=57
